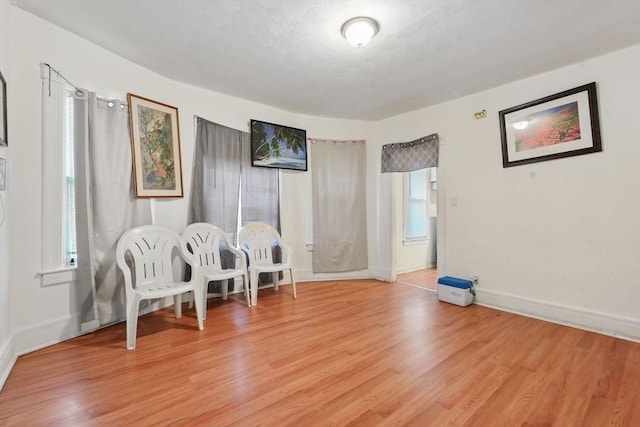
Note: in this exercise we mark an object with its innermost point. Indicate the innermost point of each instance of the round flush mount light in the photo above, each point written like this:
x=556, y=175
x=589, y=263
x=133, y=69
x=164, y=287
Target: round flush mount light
x=360, y=30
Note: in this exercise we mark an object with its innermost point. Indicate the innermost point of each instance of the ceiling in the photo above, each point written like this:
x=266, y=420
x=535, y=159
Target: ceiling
x=290, y=54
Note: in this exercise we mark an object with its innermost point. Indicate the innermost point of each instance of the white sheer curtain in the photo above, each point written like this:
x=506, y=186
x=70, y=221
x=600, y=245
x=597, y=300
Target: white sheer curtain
x=115, y=208
x=339, y=206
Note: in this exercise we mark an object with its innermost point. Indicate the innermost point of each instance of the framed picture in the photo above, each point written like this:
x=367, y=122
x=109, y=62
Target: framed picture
x=3, y=112
x=560, y=125
x=277, y=146
x=155, y=147
x=3, y=174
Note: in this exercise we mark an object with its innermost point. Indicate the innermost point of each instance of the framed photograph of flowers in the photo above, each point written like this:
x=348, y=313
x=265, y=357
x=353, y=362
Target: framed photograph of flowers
x=561, y=125
x=155, y=147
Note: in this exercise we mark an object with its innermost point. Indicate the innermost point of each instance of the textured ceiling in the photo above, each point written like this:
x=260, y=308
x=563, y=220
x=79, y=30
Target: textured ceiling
x=290, y=54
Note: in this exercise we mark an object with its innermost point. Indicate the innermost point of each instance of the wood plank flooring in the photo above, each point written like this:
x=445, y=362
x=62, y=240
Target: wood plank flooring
x=357, y=352
x=426, y=278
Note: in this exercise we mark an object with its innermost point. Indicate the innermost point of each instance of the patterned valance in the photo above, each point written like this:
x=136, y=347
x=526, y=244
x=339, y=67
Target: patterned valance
x=410, y=156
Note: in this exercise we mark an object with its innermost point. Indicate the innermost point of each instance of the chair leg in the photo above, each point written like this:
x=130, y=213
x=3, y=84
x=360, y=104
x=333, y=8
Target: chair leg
x=177, y=305
x=224, y=288
x=205, y=289
x=253, y=280
x=245, y=278
x=200, y=305
x=132, y=321
x=274, y=277
x=293, y=283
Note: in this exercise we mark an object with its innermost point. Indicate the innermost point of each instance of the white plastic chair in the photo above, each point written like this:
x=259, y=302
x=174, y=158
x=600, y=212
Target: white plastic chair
x=257, y=240
x=207, y=242
x=152, y=249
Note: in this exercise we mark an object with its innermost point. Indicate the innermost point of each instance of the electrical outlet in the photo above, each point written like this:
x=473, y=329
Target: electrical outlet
x=474, y=279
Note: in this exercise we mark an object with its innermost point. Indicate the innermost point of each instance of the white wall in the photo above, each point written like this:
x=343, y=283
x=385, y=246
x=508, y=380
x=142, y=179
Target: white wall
x=557, y=239
x=7, y=355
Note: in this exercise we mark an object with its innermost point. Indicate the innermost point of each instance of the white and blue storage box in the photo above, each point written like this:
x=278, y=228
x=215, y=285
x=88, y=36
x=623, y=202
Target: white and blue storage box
x=455, y=291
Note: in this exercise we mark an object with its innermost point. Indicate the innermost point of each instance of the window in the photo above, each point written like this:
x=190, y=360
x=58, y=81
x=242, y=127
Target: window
x=59, y=131
x=416, y=190
x=70, y=253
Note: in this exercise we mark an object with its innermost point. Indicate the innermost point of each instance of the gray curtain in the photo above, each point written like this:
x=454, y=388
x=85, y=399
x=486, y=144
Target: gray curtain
x=222, y=163
x=114, y=206
x=85, y=267
x=339, y=206
x=410, y=156
x=216, y=176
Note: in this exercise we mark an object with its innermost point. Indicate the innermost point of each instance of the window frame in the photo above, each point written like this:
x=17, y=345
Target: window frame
x=57, y=227
x=413, y=240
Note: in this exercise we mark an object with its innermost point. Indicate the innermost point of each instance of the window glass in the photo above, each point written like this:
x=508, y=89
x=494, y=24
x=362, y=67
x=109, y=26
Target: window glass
x=416, y=204
x=68, y=194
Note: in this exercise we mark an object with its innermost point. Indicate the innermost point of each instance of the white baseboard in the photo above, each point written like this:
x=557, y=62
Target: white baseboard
x=380, y=274
x=8, y=358
x=42, y=335
x=415, y=268
x=45, y=334
x=90, y=326
x=34, y=338
x=602, y=323
x=310, y=276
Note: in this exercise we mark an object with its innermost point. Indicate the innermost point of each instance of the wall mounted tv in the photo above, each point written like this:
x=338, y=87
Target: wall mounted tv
x=278, y=146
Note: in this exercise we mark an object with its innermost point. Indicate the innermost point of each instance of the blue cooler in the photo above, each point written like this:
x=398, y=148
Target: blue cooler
x=455, y=291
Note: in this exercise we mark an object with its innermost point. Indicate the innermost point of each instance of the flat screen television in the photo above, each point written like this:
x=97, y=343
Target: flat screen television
x=278, y=146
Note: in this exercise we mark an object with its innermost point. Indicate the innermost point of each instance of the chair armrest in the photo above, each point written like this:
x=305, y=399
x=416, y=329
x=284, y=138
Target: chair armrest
x=190, y=258
x=286, y=253
x=124, y=267
x=239, y=254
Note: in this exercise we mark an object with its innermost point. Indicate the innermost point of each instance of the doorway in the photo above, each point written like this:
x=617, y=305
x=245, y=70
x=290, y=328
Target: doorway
x=416, y=225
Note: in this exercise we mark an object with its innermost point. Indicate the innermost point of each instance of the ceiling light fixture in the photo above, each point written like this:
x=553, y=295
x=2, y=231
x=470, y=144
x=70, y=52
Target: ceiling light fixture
x=360, y=30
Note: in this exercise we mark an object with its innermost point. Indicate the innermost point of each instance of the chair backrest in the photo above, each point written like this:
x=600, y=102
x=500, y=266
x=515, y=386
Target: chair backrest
x=152, y=249
x=205, y=241
x=257, y=240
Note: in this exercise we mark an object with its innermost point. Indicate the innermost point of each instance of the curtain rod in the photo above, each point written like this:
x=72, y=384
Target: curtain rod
x=336, y=141
x=63, y=77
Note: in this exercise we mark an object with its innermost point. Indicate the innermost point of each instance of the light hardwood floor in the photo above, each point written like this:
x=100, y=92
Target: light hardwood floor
x=426, y=278
x=356, y=352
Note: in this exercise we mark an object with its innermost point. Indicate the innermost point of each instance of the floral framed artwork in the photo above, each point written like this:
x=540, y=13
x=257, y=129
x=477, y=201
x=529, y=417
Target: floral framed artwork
x=155, y=147
x=3, y=112
x=561, y=125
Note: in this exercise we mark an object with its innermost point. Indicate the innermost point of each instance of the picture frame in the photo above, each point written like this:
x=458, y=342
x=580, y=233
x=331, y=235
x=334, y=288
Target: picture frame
x=560, y=125
x=4, y=141
x=155, y=148
x=278, y=146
